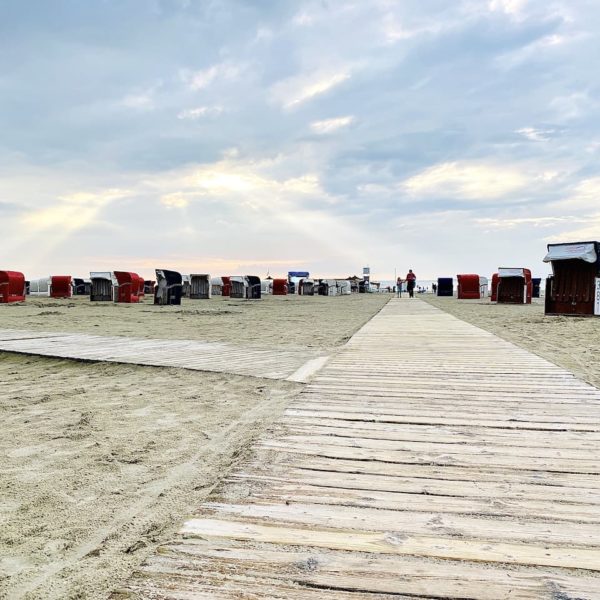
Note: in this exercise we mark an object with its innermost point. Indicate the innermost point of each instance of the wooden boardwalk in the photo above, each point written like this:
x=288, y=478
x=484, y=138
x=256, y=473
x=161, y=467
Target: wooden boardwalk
x=271, y=363
x=428, y=459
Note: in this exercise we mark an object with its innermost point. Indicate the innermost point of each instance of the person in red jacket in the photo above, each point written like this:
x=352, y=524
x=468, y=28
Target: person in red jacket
x=411, y=280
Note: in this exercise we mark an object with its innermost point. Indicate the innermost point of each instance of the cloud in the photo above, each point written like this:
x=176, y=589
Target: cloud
x=293, y=91
x=177, y=200
x=331, y=125
x=467, y=181
x=590, y=232
x=585, y=195
x=72, y=211
x=199, y=112
x=536, y=222
x=536, y=135
x=513, y=8
x=204, y=78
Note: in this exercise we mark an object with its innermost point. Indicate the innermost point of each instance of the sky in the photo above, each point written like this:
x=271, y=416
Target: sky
x=246, y=137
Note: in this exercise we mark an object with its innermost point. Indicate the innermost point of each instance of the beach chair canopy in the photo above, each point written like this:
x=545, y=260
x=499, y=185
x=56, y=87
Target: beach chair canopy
x=128, y=287
x=511, y=272
x=168, y=289
x=587, y=251
x=469, y=287
x=574, y=286
x=200, y=286
x=12, y=287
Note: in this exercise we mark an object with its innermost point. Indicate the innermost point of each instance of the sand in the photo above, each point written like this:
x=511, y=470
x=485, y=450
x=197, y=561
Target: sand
x=570, y=342
x=309, y=321
x=100, y=463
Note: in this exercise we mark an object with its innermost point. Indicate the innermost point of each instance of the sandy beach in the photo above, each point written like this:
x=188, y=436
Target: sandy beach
x=313, y=321
x=570, y=342
x=101, y=462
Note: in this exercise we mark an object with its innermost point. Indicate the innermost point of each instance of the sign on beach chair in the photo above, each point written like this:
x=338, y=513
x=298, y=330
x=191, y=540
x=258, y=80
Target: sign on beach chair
x=574, y=286
x=12, y=287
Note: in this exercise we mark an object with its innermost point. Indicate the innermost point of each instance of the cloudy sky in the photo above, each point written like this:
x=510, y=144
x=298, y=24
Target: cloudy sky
x=240, y=136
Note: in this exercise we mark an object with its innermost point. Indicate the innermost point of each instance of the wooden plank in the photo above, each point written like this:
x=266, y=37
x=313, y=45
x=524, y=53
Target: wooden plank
x=426, y=459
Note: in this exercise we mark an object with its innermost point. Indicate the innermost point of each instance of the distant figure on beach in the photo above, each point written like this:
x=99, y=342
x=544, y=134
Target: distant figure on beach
x=411, y=280
x=434, y=287
x=399, y=286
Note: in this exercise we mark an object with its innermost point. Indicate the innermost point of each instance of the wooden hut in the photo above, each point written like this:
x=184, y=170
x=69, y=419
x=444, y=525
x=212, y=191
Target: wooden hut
x=514, y=285
x=12, y=287
x=574, y=286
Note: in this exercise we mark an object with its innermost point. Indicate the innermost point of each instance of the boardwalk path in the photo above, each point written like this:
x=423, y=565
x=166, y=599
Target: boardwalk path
x=427, y=459
x=281, y=363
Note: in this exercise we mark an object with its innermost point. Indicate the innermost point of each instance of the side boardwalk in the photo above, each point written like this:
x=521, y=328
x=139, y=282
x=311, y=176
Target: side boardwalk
x=427, y=459
x=252, y=361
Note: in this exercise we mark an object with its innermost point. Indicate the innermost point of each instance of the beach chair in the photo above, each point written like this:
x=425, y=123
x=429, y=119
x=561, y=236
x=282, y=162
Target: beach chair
x=12, y=287
x=253, y=289
x=280, y=287
x=168, y=288
x=574, y=286
x=200, y=287
x=127, y=288
x=469, y=287
x=103, y=285
x=514, y=285
x=445, y=286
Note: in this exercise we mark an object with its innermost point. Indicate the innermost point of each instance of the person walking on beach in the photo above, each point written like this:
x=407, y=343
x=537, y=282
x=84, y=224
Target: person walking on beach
x=399, y=286
x=411, y=280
